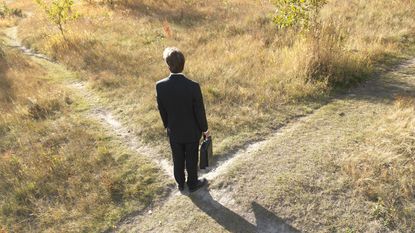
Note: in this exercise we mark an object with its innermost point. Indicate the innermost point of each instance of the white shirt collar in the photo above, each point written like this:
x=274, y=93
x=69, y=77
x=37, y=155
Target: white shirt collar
x=176, y=74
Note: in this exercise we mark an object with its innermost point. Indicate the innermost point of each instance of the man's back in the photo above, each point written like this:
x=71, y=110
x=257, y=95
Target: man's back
x=181, y=107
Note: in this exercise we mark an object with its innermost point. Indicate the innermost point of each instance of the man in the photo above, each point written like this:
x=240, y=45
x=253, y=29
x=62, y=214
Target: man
x=182, y=111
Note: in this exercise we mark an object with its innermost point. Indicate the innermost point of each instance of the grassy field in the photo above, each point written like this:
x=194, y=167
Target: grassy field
x=254, y=77
x=63, y=172
x=60, y=171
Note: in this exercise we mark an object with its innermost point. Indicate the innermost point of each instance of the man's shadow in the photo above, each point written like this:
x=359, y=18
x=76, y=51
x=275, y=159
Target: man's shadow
x=266, y=221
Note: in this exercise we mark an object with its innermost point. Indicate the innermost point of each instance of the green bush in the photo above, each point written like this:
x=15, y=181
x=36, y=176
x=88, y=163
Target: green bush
x=297, y=13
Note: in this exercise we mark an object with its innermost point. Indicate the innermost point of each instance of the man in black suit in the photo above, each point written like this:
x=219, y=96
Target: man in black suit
x=182, y=111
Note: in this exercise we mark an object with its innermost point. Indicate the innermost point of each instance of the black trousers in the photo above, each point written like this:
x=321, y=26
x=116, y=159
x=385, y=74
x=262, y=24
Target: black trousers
x=185, y=155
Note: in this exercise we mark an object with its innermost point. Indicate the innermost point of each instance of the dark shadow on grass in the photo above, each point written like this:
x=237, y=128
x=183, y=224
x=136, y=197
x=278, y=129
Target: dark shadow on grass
x=266, y=221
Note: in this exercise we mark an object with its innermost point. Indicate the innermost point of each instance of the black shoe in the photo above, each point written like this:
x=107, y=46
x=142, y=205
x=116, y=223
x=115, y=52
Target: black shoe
x=200, y=184
x=181, y=187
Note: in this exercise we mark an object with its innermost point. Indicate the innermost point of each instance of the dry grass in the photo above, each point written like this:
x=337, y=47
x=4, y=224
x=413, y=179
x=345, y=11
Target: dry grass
x=58, y=171
x=384, y=168
x=254, y=78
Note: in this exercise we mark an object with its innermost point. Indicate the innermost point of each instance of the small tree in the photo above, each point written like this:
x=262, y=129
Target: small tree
x=302, y=14
x=59, y=12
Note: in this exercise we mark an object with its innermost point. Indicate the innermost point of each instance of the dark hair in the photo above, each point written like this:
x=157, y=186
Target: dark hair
x=174, y=59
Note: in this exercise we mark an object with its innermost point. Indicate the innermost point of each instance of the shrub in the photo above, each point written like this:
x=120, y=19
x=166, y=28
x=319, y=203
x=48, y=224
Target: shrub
x=297, y=13
x=59, y=12
x=324, y=59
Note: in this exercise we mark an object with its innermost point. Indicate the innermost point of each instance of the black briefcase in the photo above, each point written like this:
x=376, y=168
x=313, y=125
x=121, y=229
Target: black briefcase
x=206, y=153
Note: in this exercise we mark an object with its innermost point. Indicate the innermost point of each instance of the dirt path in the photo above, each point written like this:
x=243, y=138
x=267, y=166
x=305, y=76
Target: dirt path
x=107, y=117
x=13, y=41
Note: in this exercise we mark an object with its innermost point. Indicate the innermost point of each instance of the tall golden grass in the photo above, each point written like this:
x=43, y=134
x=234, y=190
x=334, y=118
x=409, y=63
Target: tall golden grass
x=384, y=168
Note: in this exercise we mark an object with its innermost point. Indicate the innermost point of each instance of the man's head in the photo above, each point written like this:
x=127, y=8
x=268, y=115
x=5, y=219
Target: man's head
x=174, y=59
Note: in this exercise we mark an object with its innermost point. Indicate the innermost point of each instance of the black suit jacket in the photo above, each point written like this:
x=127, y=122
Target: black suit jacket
x=181, y=107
